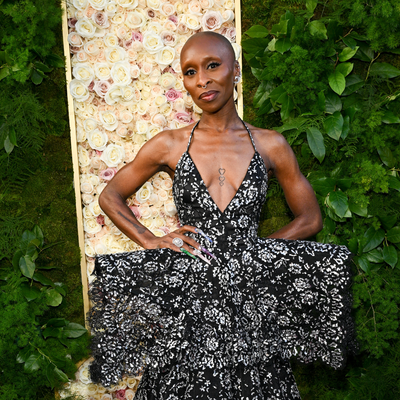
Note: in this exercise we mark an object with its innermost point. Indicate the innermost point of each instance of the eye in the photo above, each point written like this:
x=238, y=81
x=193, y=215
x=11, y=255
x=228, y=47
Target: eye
x=213, y=65
x=189, y=72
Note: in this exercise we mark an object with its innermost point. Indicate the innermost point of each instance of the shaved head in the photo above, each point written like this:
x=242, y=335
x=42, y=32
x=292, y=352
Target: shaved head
x=212, y=36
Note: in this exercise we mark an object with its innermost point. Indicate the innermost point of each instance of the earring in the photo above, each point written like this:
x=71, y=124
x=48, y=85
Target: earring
x=237, y=78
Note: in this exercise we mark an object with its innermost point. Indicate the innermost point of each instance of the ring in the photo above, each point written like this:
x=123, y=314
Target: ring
x=178, y=242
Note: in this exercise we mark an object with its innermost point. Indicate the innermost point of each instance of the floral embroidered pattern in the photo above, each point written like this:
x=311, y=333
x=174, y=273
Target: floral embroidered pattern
x=223, y=330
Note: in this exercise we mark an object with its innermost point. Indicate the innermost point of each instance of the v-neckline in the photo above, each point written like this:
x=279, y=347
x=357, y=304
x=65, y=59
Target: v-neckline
x=205, y=187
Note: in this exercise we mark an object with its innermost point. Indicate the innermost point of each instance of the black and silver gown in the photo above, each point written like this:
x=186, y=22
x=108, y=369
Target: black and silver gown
x=224, y=330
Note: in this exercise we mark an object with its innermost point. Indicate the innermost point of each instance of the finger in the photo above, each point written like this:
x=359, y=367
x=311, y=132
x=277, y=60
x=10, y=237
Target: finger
x=186, y=228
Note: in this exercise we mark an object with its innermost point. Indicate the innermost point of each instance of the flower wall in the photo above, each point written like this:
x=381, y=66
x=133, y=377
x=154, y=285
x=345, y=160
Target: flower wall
x=127, y=87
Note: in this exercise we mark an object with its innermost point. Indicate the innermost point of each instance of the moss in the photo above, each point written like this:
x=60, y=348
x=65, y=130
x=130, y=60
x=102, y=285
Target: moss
x=271, y=225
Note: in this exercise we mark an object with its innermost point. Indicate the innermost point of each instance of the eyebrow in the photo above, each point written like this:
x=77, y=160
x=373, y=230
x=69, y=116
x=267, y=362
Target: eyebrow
x=207, y=58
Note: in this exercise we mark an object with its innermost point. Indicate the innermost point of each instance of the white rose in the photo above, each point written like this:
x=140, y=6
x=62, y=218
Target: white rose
x=118, y=18
x=102, y=71
x=86, y=186
x=86, y=212
x=188, y=100
x=154, y=76
x=192, y=22
x=179, y=105
x=80, y=4
x=159, y=120
x=135, y=20
x=154, y=27
x=142, y=127
x=95, y=208
x=120, y=73
x=142, y=107
x=197, y=109
x=160, y=100
x=85, y=27
x=98, y=4
x=79, y=90
x=237, y=48
x=167, y=9
x=228, y=16
x=211, y=21
x=89, y=251
x=166, y=184
x=169, y=25
x=162, y=195
x=153, y=4
x=80, y=134
x=114, y=95
x=165, y=56
x=229, y=4
x=97, y=140
x=152, y=43
x=100, y=188
x=129, y=4
x=167, y=80
x=144, y=194
x=126, y=117
x=83, y=157
x=90, y=225
x=127, y=93
x=147, y=68
x=129, y=394
x=109, y=120
x=74, y=39
x=115, y=54
x=153, y=131
x=91, y=48
x=206, y=4
x=170, y=209
x=83, y=72
x=113, y=155
x=111, y=40
x=166, y=109
x=87, y=198
x=111, y=8
x=194, y=7
x=176, y=66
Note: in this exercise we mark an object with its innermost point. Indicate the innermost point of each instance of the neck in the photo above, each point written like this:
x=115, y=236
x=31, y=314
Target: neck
x=222, y=120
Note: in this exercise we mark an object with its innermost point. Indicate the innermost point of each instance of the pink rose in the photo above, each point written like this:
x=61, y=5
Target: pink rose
x=100, y=18
x=100, y=219
x=174, y=19
x=120, y=394
x=108, y=174
x=72, y=22
x=136, y=211
x=91, y=86
x=168, y=38
x=101, y=87
x=183, y=117
x=230, y=34
x=128, y=43
x=137, y=36
x=211, y=21
x=173, y=94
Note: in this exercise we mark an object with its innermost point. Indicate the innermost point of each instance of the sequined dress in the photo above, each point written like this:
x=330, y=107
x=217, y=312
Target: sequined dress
x=224, y=330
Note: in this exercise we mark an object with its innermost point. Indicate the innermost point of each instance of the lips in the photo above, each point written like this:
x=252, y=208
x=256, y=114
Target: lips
x=208, y=96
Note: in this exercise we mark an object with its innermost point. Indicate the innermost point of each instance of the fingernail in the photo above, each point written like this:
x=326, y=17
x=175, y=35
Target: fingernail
x=205, y=259
x=199, y=231
x=187, y=252
x=204, y=250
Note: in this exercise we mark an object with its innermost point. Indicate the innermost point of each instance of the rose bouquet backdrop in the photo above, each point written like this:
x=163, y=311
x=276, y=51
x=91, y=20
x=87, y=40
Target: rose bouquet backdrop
x=127, y=86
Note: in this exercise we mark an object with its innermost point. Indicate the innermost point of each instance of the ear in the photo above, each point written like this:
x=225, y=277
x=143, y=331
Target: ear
x=237, y=71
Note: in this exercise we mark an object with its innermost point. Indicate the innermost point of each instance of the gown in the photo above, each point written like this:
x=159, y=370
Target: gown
x=224, y=330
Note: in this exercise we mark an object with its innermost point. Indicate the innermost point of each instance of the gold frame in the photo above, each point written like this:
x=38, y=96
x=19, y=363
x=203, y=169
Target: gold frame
x=74, y=147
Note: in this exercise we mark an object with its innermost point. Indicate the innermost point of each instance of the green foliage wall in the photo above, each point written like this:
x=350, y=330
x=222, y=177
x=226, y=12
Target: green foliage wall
x=327, y=76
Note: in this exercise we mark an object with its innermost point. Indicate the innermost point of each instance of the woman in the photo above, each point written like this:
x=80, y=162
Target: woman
x=211, y=310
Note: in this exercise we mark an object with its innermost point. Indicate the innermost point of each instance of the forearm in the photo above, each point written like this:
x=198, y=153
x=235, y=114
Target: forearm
x=301, y=227
x=123, y=218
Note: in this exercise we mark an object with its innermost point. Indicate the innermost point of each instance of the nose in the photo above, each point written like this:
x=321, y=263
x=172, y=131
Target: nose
x=202, y=78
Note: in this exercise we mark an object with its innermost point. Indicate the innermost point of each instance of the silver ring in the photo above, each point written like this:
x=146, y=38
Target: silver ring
x=178, y=242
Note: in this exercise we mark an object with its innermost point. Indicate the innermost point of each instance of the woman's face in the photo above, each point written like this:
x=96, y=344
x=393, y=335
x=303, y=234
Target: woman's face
x=206, y=61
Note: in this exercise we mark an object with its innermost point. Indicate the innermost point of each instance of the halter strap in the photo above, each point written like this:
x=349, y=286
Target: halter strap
x=247, y=128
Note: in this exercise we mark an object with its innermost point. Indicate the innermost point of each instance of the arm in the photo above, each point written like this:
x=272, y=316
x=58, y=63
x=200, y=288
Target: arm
x=152, y=158
x=298, y=192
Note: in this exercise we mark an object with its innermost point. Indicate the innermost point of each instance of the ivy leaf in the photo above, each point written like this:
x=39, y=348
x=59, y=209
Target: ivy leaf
x=384, y=70
x=334, y=125
x=283, y=45
x=346, y=127
x=390, y=255
x=333, y=102
x=29, y=292
x=318, y=29
x=257, y=31
x=373, y=238
x=390, y=118
x=338, y=202
x=375, y=256
x=394, y=235
x=337, y=82
x=32, y=363
x=345, y=68
x=316, y=142
x=386, y=156
x=323, y=186
x=73, y=330
x=353, y=83
x=347, y=53
x=54, y=298
x=27, y=266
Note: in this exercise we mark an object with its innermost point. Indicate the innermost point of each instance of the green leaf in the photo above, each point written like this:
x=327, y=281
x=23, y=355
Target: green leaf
x=335, y=31
x=61, y=375
x=24, y=354
x=271, y=45
x=386, y=156
x=265, y=108
x=29, y=292
x=323, y=186
x=384, y=70
x=390, y=118
x=37, y=77
x=334, y=125
x=280, y=28
x=375, y=256
x=57, y=322
x=42, y=67
x=357, y=209
x=38, y=277
x=287, y=106
x=318, y=29
x=54, y=298
x=338, y=202
x=353, y=83
x=390, y=255
x=316, y=143
x=337, y=82
x=12, y=136
x=345, y=68
x=4, y=71
x=262, y=93
x=277, y=92
x=283, y=45
x=257, y=31
x=346, y=127
x=347, y=53
x=329, y=225
x=26, y=239
x=32, y=363
x=254, y=45
x=257, y=72
x=363, y=263
x=373, y=238
x=39, y=234
x=310, y=5
x=15, y=261
x=394, y=235
x=73, y=330
x=350, y=42
x=321, y=100
x=54, y=61
x=59, y=286
x=8, y=146
x=27, y=266
x=333, y=102
x=394, y=183
x=51, y=332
